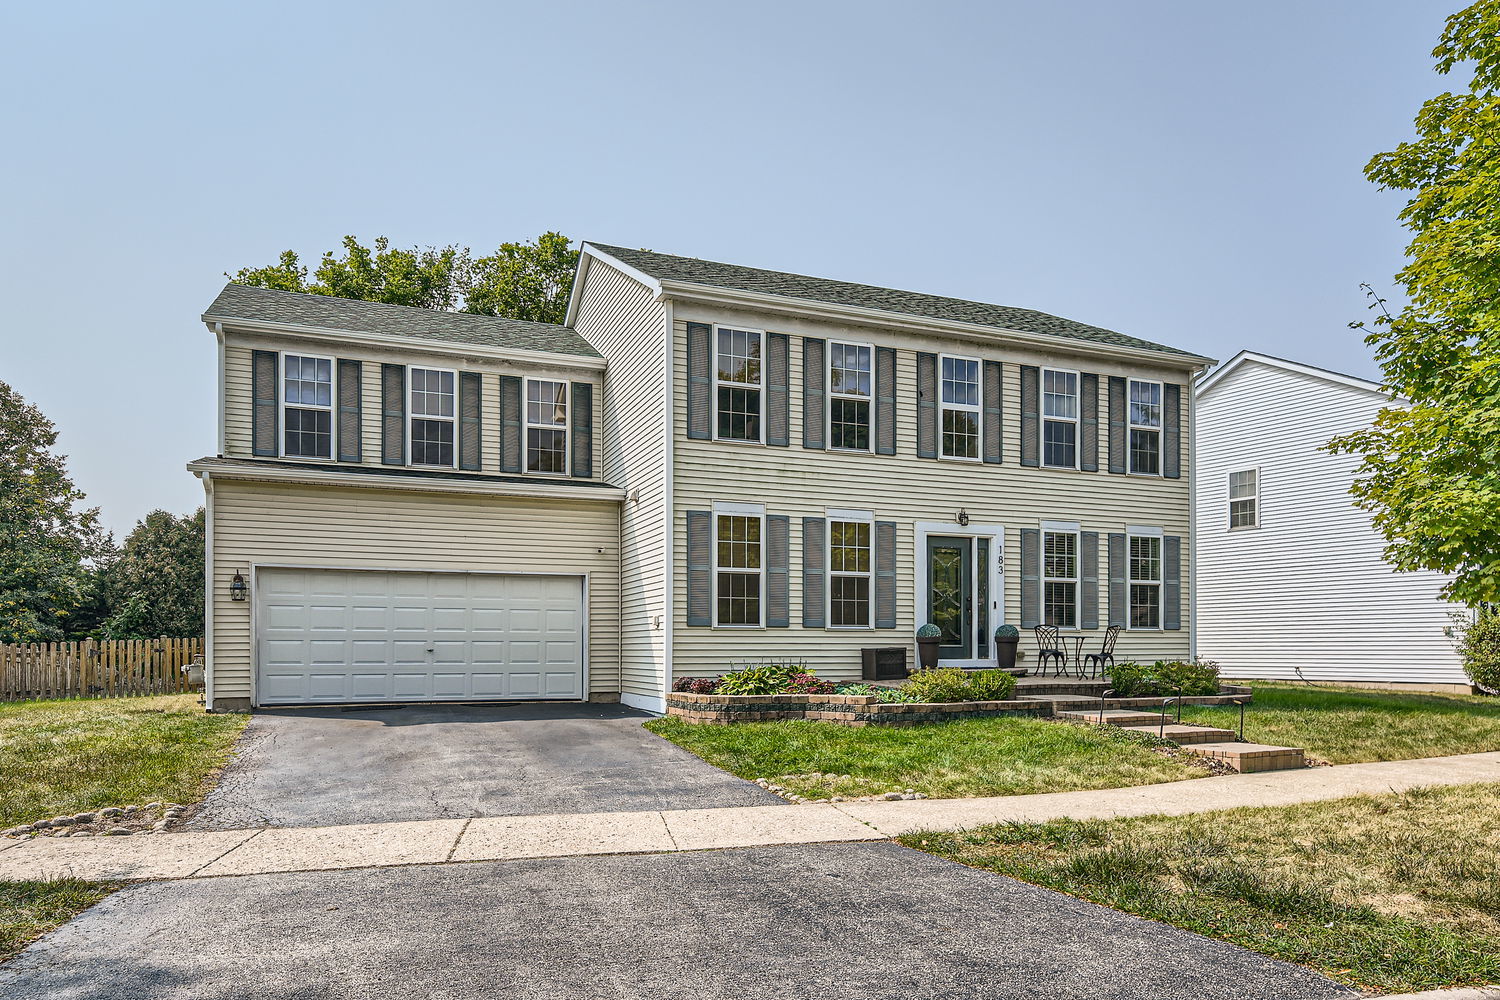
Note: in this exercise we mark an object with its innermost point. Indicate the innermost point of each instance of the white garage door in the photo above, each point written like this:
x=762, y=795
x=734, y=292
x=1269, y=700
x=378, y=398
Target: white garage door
x=360, y=636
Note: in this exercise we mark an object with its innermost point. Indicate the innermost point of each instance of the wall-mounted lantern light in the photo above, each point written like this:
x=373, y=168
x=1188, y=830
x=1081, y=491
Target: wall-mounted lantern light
x=237, y=588
x=963, y=516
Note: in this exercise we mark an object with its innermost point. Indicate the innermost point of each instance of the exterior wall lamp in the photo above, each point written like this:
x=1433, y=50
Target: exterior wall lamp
x=237, y=589
x=963, y=517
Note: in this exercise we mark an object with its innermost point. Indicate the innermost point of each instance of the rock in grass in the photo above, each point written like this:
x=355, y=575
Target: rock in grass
x=118, y=831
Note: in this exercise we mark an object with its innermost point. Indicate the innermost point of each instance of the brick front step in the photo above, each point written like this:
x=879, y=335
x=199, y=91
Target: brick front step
x=1249, y=758
x=1115, y=717
x=1183, y=735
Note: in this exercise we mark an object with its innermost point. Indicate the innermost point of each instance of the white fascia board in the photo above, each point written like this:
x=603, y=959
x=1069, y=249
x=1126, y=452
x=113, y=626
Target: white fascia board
x=927, y=324
x=624, y=268
x=321, y=477
x=577, y=291
x=521, y=356
x=1211, y=379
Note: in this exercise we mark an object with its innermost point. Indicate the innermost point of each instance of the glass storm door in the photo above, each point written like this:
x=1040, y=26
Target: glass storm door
x=950, y=596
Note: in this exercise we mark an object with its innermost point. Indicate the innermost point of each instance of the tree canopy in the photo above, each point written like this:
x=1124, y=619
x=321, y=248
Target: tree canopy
x=1431, y=470
x=155, y=587
x=530, y=281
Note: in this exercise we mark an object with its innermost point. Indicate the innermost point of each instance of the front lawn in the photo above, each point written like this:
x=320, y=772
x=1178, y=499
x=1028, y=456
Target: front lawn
x=1390, y=893
x=65, y=757
x=30, y=909
x=1344, y=725
x=1002, y=756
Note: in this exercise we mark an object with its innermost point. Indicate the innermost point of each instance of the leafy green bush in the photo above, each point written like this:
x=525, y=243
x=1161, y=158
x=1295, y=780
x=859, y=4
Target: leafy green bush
x=766, y=678
x=948, y=684
x=991, y=685
x=1479, y=645
x=1131, y=680
x=860, y=688
x=1164, y=678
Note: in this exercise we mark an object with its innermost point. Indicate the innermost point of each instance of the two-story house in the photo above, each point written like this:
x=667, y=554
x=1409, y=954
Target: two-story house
x=708, y=464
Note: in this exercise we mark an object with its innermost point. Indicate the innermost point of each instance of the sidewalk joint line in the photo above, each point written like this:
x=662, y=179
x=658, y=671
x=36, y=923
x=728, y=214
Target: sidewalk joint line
x=231, y=850
x=457, y=840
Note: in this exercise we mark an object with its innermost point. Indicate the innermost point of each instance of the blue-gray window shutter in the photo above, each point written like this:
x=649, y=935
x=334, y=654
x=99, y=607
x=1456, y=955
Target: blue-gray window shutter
x=993, y=447
x=885, y=574
x=814, y=576
x=885, y=401
x=1119, y=593
x=470, y=421
x=351, y=419
x=927, y=405
x=1088, y=426
x=264, y=418
x=583, y=430
x=1119, y=440
x=1171, y=582
x=1031, y=577
x=700, y=589
x=510, y=423
x=813, y=391
x=700, y=381
x=778, y=558
x=1088, y=579
x=1171, y=430
x=778, y=389
x=393, y=414
x=1031, y=422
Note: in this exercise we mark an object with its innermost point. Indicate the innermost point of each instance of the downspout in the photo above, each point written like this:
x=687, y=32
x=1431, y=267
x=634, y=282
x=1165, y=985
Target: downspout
x=669, y=544
x=1192, y=471
x=208, y=592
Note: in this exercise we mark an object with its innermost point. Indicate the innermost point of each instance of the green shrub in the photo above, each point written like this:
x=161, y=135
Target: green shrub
x=948, y=684
x=991, y=685
x=860, y=688
x=1164, y=678
x=765, y=678
x=1130, y=680
x=1479, y=645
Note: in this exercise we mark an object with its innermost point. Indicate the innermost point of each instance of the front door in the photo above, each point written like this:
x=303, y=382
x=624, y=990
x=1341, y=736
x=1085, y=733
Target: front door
x=950, y=595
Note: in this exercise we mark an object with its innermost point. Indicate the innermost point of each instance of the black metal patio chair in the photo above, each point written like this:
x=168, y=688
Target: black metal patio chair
x=1094, y=662
x=1050, y=647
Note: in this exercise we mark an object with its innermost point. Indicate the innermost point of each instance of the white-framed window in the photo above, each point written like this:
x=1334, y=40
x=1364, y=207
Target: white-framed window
x=430, y=425
x=306, y=406
x=739, y=565
x=1143, y=553
x=739, y=376
x=1145, y=427
x=851, y=568
x=1060, y=575
x=851, y=385
x=547, y=426
x=1244, y=499
x=958, y=400
x=1059, y=418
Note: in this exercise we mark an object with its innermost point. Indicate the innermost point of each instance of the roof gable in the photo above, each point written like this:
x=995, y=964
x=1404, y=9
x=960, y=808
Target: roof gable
x=1207, y=383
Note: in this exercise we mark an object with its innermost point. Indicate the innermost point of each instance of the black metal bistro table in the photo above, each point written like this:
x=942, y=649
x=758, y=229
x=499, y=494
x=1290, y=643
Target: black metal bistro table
x=1077, y=641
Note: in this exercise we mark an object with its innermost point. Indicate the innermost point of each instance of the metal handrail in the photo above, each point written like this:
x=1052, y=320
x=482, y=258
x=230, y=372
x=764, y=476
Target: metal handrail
x=1161, y=727
x=1103, y=697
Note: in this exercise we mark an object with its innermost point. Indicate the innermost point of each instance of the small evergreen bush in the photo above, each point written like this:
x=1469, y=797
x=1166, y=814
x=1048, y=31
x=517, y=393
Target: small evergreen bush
x=1479, y=645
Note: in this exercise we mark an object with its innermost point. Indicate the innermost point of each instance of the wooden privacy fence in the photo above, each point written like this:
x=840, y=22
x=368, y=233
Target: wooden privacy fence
x=96, y=669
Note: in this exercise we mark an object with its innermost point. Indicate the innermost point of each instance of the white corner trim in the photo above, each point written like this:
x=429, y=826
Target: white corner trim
x=208, y=589
x=576, y=294
x=657, y=706
x=669, y=510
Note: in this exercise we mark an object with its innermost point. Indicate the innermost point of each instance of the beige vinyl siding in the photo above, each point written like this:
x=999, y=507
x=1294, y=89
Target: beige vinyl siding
x=905, y=489
x=620, y=318
x=238, y=393
x=348, y=527
x=1308, y=593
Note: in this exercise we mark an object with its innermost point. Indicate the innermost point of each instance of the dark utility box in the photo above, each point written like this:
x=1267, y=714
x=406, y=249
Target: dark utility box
x=883, y=663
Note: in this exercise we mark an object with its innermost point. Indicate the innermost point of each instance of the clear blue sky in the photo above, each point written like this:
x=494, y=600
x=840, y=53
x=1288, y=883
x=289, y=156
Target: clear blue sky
x=1183, y=171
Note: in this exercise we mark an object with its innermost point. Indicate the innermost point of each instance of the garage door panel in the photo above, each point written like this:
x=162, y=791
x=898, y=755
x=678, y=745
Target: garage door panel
x=350, y=635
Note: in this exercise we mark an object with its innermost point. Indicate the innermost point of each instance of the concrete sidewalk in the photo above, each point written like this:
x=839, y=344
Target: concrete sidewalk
x=294, y=849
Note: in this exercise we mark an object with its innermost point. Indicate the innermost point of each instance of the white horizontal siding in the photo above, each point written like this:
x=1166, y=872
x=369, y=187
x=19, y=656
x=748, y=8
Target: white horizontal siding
x=1308, y=593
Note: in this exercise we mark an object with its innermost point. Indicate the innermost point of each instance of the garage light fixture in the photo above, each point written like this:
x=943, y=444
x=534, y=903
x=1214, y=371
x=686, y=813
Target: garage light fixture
x=237, y=588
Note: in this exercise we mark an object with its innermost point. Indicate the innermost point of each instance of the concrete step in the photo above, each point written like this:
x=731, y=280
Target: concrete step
x=1183, y=734
x=1250, y=758
x=1114, y=717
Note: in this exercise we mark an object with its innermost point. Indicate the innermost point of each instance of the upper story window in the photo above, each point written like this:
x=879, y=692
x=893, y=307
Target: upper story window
x=432, y=409
x=1145, y=581
x=1145, y=427
x=1059, y=418
x=1060, y=578
x=850, y=379
x=546, y=426
x=1244, y=499
x=739, y=564
x=959, y=398
x=307, y=406
x=738, y=378
x=851, y=568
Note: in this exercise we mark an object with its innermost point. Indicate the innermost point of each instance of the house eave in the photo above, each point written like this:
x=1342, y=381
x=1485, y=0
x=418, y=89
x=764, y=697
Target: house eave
x=229, y=469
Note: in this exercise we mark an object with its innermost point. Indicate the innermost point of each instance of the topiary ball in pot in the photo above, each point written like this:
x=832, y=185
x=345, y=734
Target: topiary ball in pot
x=1006, y=639
x=929, y=638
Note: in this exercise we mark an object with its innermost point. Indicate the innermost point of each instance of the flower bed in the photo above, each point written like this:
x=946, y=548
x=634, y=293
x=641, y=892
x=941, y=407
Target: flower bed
x=844, y=709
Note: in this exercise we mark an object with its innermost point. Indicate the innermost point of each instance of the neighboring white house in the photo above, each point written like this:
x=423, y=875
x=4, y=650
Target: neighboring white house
x=1291, y=581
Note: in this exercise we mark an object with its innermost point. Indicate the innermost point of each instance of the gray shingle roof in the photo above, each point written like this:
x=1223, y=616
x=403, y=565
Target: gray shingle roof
x=665, y=267
x=325, y=312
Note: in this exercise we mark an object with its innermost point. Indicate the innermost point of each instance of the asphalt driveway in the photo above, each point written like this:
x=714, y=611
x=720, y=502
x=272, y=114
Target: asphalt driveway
x=327, y=767
x=829, y=922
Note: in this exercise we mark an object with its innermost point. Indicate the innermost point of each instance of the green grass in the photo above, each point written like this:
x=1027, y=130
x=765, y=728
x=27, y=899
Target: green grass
x=1392, y=893
x=30, y=909
x=1005, y=756
x=1343, y=725
x=61, y=757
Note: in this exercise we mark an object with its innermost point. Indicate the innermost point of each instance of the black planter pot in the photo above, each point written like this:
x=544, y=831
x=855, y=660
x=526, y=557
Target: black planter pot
x=1005, y=652
x=927, y=652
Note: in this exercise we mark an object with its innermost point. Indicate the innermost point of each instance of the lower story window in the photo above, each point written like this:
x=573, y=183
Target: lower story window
x=1145, y=581
x=738, y=561
x=850, y=572
x=1060, y=578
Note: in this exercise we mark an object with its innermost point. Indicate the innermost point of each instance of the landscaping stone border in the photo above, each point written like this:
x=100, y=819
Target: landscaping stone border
x=844, y=709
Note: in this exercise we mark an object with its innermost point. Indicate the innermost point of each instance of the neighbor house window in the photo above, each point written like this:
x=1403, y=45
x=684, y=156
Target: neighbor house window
x=739, y=532
x=546, y=426
x=1145, y=427
x=1059, y=418
x=960, y=406
x=432, y=408
x=851, y=568
x=1244, y=498
x=1145, y=581
x=307, y=406
x=1060, y=578
x=849, y=389
x=737, y=384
